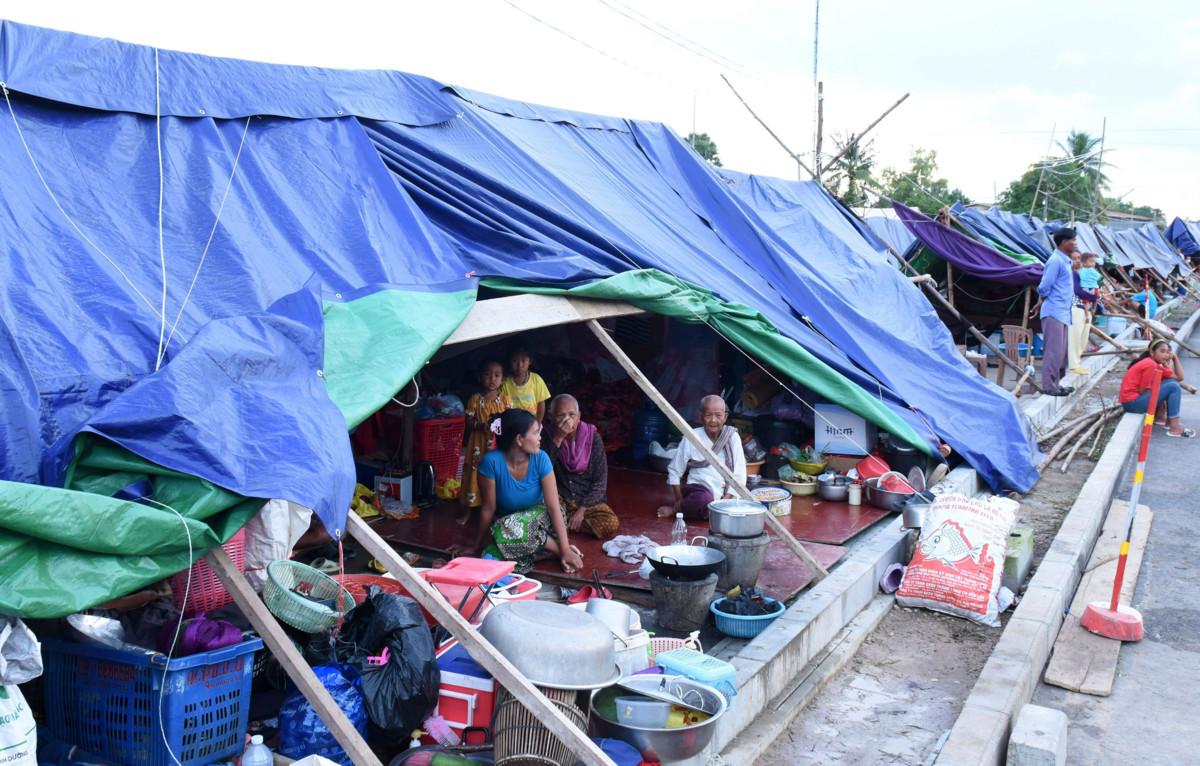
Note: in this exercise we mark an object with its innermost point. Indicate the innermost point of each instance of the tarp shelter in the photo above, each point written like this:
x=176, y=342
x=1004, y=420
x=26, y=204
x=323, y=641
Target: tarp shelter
x=1012, y=231
x=1185, y=236
x=1146, y=248
x=965, y=254
x=889, y=228
x=323, y=232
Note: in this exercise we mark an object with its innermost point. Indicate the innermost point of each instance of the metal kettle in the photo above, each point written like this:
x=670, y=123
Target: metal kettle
x=424, y=481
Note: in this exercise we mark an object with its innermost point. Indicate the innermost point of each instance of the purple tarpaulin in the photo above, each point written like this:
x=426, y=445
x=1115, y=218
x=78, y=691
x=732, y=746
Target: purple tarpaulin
x=966, y=254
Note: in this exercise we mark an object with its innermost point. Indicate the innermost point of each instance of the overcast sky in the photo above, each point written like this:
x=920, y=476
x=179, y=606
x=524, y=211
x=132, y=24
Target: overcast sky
x=988, y=84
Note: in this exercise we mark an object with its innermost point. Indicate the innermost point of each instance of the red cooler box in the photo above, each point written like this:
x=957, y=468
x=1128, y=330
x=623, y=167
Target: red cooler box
x=468, y=692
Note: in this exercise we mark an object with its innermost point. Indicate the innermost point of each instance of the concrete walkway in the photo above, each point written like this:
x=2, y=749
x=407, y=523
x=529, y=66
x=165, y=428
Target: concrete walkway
x=1151, y=716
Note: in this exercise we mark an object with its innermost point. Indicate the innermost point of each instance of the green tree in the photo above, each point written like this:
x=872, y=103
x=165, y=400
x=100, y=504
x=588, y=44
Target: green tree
x=918, y=187
x=1121, y=206
x=705, y=147
x=1070, y=186
x=852, y=172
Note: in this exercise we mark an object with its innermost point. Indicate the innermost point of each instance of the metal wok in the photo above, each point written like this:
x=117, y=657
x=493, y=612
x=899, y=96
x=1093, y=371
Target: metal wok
x=686, y=562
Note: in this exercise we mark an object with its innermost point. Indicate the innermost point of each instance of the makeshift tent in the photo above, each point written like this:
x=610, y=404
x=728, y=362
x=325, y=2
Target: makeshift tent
x=967, y=255
x=1185, y=236
x=894, y=232
x=305, y=284
x=1012, y=231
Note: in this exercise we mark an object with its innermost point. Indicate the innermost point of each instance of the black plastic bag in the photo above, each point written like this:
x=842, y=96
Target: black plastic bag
x=401, y=694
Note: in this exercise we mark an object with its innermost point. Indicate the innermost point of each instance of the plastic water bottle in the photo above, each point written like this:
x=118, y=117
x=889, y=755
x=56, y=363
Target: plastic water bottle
x=257, y=754
x=679, y=531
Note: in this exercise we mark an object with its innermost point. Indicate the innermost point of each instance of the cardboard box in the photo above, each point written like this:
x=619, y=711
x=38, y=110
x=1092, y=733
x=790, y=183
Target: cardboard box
x=837, y=429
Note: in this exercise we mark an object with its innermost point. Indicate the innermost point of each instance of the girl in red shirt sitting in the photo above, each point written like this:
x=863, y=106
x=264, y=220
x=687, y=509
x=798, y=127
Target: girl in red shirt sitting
x=1135, y=386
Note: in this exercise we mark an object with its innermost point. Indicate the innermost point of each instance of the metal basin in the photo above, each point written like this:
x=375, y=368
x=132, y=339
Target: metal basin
x=883, y=499
x=553, y=645
x=659, y=744
x=737, y=518
x=834, y=489
x=685, y=562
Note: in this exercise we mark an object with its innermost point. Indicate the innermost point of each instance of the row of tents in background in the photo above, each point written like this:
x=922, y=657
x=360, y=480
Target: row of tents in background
x=1025, y=239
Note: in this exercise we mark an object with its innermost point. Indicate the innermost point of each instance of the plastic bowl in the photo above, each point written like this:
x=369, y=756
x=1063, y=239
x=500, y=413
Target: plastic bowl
x=739, y=626
x=812, y=469
x=800, y=488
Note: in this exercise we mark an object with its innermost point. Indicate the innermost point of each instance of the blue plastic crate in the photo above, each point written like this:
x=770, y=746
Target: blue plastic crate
x=107, y=702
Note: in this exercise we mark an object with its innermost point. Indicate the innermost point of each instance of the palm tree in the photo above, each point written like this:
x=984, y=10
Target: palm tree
x=853, y=169
x=705, y=147
x=1082, y=169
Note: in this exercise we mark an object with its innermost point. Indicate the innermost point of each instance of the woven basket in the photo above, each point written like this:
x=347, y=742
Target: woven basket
x=318, y=609
x=521, y=739
x=660, y=645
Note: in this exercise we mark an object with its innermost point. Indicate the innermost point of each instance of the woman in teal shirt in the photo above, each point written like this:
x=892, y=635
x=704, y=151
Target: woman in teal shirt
x=520, y=508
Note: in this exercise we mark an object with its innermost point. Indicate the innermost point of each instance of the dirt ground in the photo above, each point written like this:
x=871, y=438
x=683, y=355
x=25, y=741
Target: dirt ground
x=903, y=690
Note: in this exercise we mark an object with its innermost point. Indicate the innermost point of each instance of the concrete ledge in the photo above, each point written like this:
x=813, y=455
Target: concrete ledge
x=1009, y=678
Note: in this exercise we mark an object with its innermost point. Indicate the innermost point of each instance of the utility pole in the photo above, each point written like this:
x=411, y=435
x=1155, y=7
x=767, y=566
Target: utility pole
x=820, y=129
x=1099, y=202
x=819, y=106
x=1041, y=175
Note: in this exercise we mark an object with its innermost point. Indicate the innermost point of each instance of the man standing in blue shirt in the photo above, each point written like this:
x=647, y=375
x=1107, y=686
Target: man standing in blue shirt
x=1056, y=290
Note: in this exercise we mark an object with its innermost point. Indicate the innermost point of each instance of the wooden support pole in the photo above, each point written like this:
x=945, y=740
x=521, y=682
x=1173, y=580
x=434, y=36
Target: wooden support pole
x=950, y=283
x=289, y=657
x=1164, y=334
x=685, y=429
x=477, y=646
x=1094, y=330
x=931, y=291
x=1025, y=311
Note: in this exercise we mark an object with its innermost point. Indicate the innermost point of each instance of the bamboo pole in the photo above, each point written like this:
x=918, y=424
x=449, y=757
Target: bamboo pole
x=685, y=429
x=1025, y=311
x=950, y=283
x=1165, y=334
x=931, y=291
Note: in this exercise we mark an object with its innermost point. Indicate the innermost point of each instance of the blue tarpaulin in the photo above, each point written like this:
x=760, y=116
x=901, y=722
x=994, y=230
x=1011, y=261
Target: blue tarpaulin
x=1017, y=232
x=363, y=208
x=1185, y=236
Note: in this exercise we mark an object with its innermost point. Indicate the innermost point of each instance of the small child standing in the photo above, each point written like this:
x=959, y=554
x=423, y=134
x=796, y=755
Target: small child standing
x=525, y=388
x=482, y=408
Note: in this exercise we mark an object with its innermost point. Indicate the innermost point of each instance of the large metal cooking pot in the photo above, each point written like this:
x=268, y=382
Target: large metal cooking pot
x=553, y=645
x=662, y=745
x=737, y=518
x=686, y=562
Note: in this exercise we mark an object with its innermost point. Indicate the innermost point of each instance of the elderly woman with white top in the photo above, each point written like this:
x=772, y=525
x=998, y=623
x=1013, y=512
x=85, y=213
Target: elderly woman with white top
x=695, y=482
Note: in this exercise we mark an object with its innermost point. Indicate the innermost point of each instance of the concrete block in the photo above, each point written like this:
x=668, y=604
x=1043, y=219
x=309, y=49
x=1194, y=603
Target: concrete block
x=1004, y=685
x=820, y=620
x=1039, y=738
x=1048, y=603
x=978, y=738
x=1055, y=575
x=1026, y=641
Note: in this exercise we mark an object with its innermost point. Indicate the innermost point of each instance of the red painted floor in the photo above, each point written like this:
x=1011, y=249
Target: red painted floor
x=636, y=495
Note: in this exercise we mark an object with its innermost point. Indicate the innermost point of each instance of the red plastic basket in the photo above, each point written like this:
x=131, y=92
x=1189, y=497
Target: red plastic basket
x=439, y=442
x=207, y=592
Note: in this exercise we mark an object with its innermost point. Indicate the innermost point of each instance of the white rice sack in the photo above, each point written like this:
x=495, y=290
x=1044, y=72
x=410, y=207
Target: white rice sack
x=959, y=561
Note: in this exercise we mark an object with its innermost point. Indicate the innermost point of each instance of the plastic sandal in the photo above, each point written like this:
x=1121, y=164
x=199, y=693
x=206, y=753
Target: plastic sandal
x=326, y=566
x=1188, y=433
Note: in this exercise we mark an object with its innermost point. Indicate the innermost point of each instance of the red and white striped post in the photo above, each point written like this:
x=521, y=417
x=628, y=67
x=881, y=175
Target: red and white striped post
x=1124, y=623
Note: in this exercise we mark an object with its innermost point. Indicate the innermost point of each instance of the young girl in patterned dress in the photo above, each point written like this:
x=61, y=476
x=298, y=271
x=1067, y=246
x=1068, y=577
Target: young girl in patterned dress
x=482, y=408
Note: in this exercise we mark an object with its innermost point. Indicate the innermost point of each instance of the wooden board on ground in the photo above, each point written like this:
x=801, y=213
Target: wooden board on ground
x=1082, y=661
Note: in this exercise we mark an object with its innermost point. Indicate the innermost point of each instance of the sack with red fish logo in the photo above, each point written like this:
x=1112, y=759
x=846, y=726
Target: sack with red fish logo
x=959, y=561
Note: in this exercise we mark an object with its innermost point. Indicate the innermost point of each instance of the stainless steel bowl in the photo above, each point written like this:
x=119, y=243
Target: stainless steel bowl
x=835, y=488
x=553, y=645
x=737, y=518
x=885, y=500
x=914, y=512
x=662, y=745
